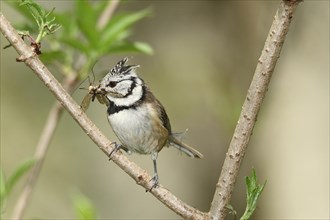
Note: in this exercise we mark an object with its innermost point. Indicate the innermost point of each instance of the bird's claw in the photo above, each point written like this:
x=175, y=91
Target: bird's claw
x=115, y=149
x=155, y=180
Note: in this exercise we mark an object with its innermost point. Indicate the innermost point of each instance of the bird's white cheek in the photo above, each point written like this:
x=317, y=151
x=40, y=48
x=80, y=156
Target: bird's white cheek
x=136, y=95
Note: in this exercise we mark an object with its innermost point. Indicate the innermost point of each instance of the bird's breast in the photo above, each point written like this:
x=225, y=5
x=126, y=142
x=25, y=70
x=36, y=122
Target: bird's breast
x=138, y=129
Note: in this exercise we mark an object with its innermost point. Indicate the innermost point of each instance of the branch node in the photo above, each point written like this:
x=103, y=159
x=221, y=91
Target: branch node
x=23, y=58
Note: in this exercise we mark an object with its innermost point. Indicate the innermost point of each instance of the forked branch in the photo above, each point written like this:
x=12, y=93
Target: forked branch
x=254, y=99
x=243, y=131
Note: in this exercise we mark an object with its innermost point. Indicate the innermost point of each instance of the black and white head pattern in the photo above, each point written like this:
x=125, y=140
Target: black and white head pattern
x=122, y=86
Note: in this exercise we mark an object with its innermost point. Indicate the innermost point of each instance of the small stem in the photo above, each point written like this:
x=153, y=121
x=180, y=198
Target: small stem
x=39, y=37
x=107, y=14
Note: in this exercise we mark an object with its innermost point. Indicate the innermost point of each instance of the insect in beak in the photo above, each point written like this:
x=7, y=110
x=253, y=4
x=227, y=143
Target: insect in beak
x=94, y=91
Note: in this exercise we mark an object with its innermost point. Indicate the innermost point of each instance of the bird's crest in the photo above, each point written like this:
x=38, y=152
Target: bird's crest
x=121, y=69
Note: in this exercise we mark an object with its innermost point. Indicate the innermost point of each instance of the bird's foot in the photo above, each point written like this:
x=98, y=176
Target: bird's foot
x=116, y=148
x=155, y=181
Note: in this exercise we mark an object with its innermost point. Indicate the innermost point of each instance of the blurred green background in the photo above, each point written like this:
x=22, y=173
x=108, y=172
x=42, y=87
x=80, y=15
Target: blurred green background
x=205, y=53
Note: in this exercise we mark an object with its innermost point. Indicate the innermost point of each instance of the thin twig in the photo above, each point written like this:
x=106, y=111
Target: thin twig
x=251, y=107
x=107, y=14
x=39, y=156
x=41, y=151
x=138, y=174
x=69, y=83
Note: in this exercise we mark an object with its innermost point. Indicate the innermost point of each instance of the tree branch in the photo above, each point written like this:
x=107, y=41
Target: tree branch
x=41, y=150
x=138, y=174
x=251, y=107
x=69, y=82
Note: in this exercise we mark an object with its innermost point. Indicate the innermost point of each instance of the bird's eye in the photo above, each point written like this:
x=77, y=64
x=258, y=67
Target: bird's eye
x=112, y=84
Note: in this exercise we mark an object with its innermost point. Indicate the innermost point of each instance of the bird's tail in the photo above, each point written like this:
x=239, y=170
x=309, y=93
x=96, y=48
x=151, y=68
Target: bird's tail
x=191, y=152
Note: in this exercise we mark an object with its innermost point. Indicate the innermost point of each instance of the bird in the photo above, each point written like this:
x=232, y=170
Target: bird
x=137, y=117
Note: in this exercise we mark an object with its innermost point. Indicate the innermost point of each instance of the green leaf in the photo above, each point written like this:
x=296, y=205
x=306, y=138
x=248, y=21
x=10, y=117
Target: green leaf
x=67, y=21
x=142, y=47
x=126, y=47
x=254, y=191
x=21, y=10
x=17, y=174
x=83, y=207
x=119, y=24
x=2, y=189
x=87, y=19
x=76, y=44
x=104, y=47
x=46, y=23
x=36, y=11
x=99, y=7
x=48, y=57
x=231, y=210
